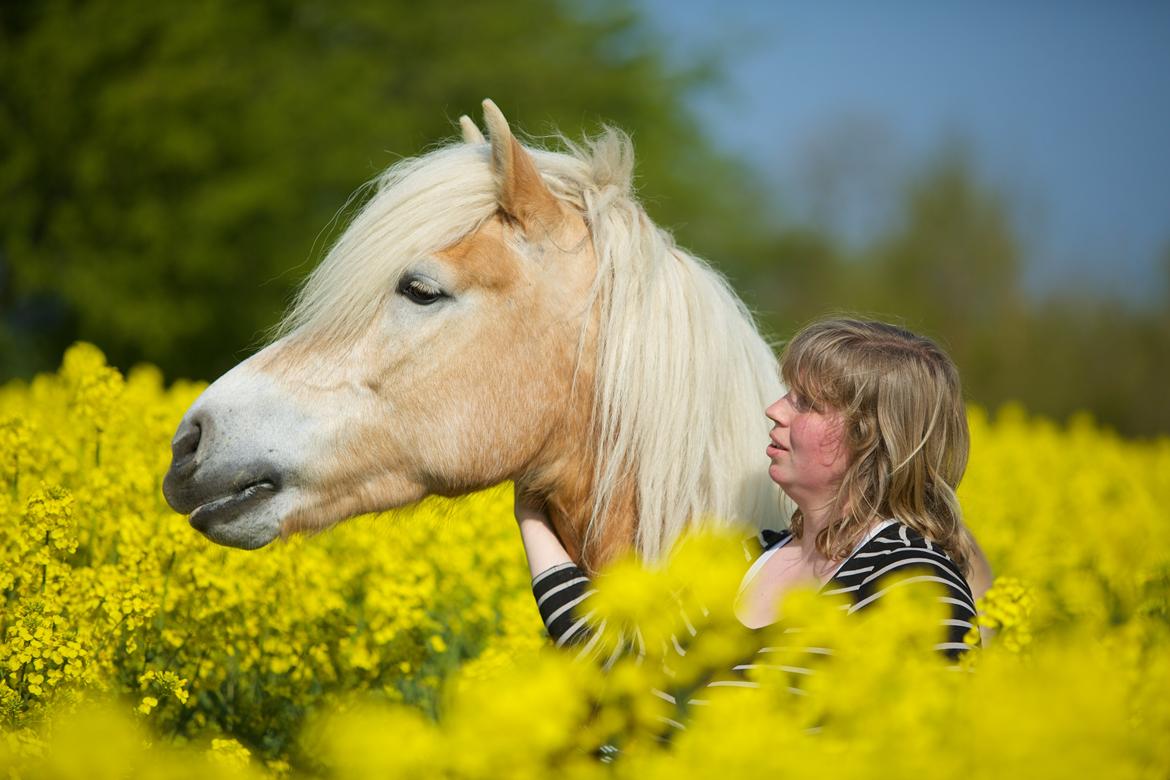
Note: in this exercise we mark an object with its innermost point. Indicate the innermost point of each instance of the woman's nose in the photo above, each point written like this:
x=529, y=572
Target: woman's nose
x=778, y=412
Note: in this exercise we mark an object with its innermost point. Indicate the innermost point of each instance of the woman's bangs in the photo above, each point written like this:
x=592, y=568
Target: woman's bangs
x=812, y=375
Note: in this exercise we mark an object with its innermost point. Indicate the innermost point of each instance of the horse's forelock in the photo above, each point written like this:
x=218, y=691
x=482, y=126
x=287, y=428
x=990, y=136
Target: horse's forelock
x=418, y=205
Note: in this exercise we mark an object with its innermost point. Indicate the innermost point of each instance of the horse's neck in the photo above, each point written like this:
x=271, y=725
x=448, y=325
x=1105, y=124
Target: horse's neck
x=564, y=474
x=570, y=507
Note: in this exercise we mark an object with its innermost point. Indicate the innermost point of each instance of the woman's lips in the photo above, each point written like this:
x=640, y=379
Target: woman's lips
x=775, y=449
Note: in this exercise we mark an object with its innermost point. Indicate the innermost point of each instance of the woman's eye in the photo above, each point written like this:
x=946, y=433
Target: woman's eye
x=798, y=402
x=419, y=290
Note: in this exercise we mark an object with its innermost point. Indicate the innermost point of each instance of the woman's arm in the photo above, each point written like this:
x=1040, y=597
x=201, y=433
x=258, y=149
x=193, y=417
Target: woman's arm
x=561, y=590
x=558, y=585
x=541, y=544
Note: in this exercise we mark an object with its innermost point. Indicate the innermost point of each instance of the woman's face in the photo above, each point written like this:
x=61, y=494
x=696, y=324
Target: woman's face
x=808, y=452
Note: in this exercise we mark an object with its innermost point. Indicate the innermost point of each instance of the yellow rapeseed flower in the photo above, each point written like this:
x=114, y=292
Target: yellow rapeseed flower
x=426, y=616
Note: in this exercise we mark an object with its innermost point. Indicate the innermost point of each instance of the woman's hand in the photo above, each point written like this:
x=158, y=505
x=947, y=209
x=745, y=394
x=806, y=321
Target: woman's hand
x=541, y=544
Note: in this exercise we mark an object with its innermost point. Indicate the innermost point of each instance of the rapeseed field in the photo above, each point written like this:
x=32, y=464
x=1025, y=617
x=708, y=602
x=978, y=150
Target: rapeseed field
x=408, y=644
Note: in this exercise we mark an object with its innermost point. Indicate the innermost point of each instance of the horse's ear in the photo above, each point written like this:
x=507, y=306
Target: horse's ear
x=471, y=134
x=523, y=194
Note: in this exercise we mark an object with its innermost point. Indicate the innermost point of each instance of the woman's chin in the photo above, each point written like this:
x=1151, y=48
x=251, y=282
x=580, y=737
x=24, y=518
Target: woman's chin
x=776, y=472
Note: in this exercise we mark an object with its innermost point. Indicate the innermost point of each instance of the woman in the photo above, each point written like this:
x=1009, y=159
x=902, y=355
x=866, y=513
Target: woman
x=870, y=442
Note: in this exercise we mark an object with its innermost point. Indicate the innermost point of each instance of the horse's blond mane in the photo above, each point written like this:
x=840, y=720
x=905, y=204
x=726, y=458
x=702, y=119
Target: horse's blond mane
x=682, y=376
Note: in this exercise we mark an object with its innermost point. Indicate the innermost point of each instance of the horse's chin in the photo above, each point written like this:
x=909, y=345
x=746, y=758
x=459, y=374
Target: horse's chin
x=247, y=521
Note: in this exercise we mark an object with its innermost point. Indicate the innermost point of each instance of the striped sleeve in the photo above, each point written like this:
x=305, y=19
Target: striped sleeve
x=562, y=594
x=562, y=597
x=558, y=590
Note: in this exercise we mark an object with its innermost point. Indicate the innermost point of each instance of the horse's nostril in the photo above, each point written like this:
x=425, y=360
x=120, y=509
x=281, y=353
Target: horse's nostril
x=185, y=444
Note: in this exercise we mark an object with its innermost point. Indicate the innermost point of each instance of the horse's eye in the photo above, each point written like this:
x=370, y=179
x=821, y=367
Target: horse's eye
x=419, y=290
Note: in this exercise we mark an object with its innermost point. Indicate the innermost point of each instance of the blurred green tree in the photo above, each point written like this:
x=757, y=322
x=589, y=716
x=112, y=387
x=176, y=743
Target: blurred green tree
x=951, y=265
x=169, y=173
x=948, y=263
x=952, y=259
x=169, y=170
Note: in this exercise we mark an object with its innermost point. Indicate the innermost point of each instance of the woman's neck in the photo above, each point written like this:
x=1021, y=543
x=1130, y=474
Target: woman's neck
x=815, y=519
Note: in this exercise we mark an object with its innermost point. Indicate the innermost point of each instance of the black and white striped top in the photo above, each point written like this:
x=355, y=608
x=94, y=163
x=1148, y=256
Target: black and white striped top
x=893, y=556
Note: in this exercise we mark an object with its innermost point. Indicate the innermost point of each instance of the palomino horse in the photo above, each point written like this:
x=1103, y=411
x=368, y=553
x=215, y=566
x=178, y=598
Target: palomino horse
x=492, y=313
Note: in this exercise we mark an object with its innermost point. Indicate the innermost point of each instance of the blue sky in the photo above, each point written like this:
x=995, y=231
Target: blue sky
x=1065, y=108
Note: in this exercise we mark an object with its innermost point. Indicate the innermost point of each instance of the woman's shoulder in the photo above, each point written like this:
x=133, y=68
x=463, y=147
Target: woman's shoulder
x=897, y=535
x=899, y=546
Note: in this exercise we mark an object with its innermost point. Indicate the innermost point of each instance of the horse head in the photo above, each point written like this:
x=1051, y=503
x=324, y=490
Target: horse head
x=494, y=312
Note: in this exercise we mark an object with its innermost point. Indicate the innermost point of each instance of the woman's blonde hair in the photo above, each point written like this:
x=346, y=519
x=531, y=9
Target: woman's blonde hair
x=904, y=424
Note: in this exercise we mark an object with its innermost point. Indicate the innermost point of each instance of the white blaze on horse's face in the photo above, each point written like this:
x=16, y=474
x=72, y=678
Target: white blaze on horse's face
x=456, y=381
